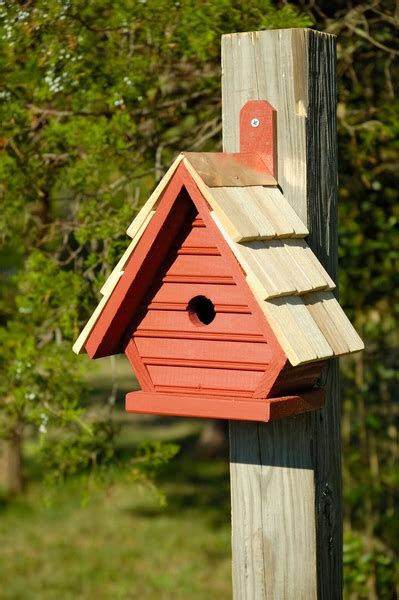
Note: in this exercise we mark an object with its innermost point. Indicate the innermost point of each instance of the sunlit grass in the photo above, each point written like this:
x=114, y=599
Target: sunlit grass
x=114, y=540
x=121, y=543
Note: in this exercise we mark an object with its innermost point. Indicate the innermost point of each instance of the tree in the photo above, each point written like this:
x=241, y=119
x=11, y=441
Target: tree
x=97, y=98
x=368, y=128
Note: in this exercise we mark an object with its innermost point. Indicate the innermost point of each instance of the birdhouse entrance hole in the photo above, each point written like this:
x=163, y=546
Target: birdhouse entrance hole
x=201, y=310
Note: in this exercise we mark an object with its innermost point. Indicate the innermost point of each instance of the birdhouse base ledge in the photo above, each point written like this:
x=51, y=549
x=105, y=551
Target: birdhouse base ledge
x=240, y=409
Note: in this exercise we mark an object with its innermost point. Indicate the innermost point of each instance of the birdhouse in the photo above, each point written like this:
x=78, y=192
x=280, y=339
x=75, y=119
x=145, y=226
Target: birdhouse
x=218, y=302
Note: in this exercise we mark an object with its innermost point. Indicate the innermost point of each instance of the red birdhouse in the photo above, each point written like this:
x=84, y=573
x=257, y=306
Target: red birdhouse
x=219, y=304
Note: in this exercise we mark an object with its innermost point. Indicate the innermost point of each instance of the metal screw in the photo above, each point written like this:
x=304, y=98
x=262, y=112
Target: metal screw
x=255, y=122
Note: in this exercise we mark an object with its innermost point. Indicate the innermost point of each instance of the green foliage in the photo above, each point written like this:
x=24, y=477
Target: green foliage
x=368, y=127
x=365, y=564
x=93, y=93
x=149, y=458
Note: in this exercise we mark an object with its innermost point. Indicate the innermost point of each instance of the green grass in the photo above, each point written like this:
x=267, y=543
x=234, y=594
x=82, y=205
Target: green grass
x=120, y=544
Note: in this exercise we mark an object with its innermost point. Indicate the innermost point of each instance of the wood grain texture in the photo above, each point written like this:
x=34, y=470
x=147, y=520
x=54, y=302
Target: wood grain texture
x=260, y=64
x=237, y=204
x=290, y=272
x=336, y=316
x=219, y=169
x=286, y=476
x=281, y=212
x=297, y=332
x=308, y=263
x=258, y=212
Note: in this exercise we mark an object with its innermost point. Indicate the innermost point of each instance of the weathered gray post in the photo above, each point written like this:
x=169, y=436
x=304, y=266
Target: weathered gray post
x=286, y=475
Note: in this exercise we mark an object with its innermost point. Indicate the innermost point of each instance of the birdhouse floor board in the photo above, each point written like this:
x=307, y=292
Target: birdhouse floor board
x=217, y=408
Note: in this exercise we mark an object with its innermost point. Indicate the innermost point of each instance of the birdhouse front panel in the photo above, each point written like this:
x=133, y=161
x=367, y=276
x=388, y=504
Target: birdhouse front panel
x=195, y=332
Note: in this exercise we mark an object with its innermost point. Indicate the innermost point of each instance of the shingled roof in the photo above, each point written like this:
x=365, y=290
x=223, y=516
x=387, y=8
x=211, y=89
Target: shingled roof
x=267, y=237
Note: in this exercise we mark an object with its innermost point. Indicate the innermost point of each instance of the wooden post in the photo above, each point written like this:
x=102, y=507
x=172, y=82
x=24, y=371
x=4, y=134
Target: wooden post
x=286, y=475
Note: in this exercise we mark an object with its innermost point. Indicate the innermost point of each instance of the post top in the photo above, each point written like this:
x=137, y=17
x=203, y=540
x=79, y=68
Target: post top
x=306, y=30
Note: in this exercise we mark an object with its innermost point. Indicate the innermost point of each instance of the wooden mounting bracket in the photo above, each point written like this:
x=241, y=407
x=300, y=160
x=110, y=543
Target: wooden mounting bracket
x=258, y=134
x=255, y=163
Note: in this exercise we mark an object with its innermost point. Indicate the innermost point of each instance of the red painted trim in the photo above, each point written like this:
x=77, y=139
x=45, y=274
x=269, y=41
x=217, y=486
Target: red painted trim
x=218, y=408
x=189, y=391
x=105, y=337
x=189, y=335
x=139, y=367
x=263, y=389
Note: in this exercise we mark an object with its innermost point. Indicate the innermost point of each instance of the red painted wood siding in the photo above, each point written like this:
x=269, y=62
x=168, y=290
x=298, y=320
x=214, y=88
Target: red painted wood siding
x=227, y=357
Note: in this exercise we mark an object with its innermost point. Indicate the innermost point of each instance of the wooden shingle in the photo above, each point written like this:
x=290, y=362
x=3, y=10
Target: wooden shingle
x=284, y=220
x=346, y=334
x=257, y=213
x=326, y=325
